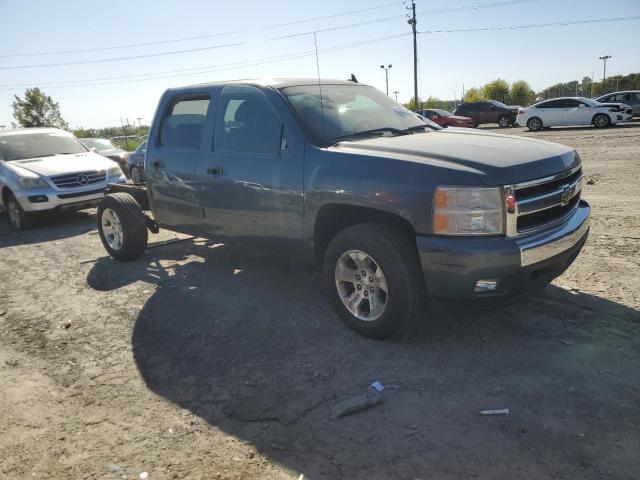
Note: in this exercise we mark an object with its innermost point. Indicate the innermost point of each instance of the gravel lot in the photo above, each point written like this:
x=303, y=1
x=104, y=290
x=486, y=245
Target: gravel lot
x=204, y=361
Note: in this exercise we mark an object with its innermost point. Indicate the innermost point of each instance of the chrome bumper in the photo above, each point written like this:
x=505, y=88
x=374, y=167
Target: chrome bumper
x=547, y=244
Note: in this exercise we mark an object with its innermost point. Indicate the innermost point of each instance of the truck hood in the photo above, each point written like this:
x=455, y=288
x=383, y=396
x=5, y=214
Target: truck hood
x=495, y=158
x=61, y=164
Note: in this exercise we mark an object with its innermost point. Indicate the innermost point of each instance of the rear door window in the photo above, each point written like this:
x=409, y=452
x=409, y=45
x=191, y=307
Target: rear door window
x=182, y=125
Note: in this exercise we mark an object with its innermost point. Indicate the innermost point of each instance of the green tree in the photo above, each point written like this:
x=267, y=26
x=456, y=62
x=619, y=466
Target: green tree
x=521, y=93
x=473, y=95
x=411, y=104
x=433, y=102
x=37, y=110
x=497, y=90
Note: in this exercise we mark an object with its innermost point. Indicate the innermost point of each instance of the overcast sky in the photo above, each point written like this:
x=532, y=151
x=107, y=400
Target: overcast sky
x=238, y=40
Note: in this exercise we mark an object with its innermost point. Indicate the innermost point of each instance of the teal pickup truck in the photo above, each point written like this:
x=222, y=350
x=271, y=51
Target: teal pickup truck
x=394, y=208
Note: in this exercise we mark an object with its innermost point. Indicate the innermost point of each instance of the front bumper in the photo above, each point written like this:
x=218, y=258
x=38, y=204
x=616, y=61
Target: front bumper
x=50, y=199
x=453, y=265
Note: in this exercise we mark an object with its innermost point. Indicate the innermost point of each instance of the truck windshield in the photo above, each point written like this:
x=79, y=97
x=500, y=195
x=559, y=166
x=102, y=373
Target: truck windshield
x=33, y=145
x=350, y=112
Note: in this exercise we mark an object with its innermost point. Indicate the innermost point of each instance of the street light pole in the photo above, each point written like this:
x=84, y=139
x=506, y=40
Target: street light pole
x=604, y=68
x=396, y=92
x=386, y=75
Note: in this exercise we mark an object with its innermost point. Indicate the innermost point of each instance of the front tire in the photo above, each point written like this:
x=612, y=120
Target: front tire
x=122, y=227
x=601, y=120
x=534, y=124
x=20, y=219
x=372, y=273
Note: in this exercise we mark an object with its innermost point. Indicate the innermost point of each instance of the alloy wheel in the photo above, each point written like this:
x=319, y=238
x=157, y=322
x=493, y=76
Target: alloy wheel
x=112, y=229
x=361, y=285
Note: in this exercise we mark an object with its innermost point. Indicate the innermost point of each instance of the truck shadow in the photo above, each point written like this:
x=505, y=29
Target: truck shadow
x=49, y=228
x=249, y=344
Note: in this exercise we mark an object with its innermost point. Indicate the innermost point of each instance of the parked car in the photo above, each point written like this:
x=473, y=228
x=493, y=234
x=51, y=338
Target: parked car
x=107, y=149
x=628, y=97
x=570, y=111
x=45, y=170
x=445, y=119
x=135, y=163
x=488, y=111
x=391, y=207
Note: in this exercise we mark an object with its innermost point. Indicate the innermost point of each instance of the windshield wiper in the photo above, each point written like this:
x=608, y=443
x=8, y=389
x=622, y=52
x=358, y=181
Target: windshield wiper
x=364, y=133
x=420, y=128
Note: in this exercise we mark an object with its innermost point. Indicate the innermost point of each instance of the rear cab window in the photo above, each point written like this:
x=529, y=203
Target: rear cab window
x=183, y=122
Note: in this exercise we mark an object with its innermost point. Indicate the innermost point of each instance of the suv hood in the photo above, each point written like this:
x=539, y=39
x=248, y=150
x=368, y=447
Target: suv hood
x=495, y=158
x=61, y=164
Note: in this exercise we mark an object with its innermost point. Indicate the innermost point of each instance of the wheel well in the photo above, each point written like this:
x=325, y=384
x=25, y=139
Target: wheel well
x=333, y=218
x=5, y=195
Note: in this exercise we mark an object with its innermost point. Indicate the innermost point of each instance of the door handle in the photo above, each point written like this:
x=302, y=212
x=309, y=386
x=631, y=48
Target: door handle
x=215, y=171
x=158, y=164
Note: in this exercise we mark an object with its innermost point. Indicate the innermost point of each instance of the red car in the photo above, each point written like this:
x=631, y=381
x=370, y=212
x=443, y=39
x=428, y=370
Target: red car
x=445, y=119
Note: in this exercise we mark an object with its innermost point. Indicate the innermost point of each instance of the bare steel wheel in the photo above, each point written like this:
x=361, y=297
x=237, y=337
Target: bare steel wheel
x=361, y=285
x=112, y=229
x=373, y=275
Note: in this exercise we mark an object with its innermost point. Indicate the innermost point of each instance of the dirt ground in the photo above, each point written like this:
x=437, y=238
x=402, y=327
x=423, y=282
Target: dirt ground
x=203, y=361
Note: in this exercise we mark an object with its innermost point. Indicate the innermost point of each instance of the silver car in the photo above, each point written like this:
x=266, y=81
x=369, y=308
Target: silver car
x=49, y=170
x=627, y=97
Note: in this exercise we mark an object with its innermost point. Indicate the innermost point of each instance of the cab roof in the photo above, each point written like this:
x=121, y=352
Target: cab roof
x=277, y=82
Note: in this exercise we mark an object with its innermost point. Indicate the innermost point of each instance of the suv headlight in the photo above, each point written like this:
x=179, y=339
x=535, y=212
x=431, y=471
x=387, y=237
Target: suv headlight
x=468, y=211
x=115, y=172
x=32, y=182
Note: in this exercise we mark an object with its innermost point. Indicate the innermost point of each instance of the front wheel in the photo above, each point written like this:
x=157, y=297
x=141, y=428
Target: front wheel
x=373, y=276
x=601, y=120
x=122, y=227
x=20, y=219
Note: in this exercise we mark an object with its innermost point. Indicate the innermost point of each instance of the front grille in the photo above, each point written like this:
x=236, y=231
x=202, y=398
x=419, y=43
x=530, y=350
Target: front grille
x=84, y=193
x=79, y=179
x=545, y=202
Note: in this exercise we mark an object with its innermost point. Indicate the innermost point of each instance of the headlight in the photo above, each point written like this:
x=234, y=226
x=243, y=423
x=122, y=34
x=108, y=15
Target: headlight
x=32, y=182
x=115, y=172
x=467, y=211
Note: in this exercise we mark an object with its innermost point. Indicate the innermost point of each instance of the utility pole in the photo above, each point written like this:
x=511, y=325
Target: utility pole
x=124, y=130
x=386, y=75
x=412, y=22
x=396, y=92
x=604, y=68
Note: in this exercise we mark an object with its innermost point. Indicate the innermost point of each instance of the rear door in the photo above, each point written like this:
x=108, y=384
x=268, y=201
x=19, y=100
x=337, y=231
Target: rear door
x=174, y=160
x=551, y=112
x=253, y=169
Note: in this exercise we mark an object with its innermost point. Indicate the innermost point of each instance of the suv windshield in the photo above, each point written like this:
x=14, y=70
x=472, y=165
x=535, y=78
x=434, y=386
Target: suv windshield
x=349, y=111
x=32, y=145
x=98, y=143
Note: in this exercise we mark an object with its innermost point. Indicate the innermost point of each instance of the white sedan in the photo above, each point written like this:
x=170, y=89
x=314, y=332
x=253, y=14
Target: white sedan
x=570, y=111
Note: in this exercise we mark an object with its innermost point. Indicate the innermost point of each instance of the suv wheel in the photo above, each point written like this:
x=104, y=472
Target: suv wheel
x=122, y=227
x=503, y=121
x=19, y=218
x=601, y=120
x=373, y=276
x=534, y=124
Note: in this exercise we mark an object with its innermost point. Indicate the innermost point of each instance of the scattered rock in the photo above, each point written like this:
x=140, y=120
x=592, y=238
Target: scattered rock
x=114, y=468
x=591, y=181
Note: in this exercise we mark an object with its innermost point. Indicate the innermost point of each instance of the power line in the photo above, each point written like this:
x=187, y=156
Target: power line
x=116, y=59
x=212, y=35
x=117, y=47
x=535, y=25
x=213, y=68
x=350, y=12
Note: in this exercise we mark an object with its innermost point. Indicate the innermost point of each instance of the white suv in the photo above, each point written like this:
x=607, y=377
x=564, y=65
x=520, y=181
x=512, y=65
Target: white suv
x=47, y=169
